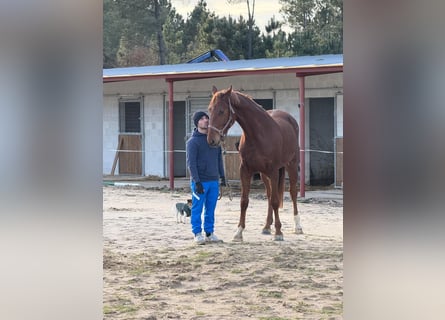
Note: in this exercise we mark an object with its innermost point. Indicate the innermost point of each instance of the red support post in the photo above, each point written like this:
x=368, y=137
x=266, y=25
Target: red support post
x=171, y=171
x=302, y=138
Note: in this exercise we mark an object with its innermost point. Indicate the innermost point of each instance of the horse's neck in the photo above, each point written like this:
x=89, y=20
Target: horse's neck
x=253, y=119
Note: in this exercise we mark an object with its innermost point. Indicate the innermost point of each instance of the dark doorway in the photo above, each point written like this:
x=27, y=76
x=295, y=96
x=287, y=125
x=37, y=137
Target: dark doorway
x=321, y=141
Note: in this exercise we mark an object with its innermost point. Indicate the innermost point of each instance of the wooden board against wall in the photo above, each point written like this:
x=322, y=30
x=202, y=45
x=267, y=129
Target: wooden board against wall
x=130, y=162
x=339, y=162
x=231, y=158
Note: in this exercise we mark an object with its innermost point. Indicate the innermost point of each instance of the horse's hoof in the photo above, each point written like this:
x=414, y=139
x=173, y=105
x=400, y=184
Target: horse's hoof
x=238, y=236
x=237, y=239
x=278, y=237
x=299, y=231
x=266, y=231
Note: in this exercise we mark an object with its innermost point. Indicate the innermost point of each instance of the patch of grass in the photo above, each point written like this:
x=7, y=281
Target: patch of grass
x=195, y=291
x=120, y=306
x=259, y=308
x=273, y=318
x=333, y=309
x=270, y=294
x=151, y=297
x=236, y=271
x=138, y=271
x=202, y=255
x=108, y=309
x=310, y=271
x=302, y=307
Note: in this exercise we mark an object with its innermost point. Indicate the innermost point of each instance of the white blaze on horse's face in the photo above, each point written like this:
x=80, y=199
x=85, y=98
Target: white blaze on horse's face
x=220, y=116
x=214, y=133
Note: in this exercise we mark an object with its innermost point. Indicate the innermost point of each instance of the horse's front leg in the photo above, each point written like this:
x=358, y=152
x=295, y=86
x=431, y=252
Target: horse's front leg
x=269, y=218
x=245, y=176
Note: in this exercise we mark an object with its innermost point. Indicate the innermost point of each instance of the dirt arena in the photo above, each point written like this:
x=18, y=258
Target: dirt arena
x=153, y=270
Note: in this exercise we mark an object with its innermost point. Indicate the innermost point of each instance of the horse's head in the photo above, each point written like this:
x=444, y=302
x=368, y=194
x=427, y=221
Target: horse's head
x=221, y=115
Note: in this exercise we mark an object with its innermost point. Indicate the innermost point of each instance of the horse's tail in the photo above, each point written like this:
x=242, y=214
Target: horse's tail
x=281, y=180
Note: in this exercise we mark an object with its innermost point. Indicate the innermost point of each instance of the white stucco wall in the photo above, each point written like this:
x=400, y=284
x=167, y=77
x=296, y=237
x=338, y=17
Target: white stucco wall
x=283, y=88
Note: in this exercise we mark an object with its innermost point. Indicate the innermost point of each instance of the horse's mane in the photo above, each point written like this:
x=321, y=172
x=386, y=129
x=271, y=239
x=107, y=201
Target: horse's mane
x=236, y=99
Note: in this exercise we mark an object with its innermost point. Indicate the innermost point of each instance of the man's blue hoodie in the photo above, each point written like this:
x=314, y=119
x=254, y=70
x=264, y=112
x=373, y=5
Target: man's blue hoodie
x=204, y=162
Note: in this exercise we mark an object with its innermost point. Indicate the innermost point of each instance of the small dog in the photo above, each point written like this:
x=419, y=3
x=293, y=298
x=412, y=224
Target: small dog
x=183, y=210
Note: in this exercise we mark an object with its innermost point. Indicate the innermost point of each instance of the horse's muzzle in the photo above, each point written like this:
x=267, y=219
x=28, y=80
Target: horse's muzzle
x=214, y=141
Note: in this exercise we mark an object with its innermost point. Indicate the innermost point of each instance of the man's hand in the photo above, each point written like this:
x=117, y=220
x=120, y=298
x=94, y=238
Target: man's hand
x=223, y=182
x=199, y=188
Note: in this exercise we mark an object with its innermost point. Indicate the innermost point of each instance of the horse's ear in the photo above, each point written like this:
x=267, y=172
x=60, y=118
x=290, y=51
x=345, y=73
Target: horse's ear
x=229, y=91
x=214, y=90
x=233, y=96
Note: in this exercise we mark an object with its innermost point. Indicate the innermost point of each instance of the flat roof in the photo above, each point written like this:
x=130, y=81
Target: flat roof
x=300, y=65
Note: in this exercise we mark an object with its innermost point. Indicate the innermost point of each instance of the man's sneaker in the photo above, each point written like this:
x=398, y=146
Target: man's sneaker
x=212, y=238
x=199, y=239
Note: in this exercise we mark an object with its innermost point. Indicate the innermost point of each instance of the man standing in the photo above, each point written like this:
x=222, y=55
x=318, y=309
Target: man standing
x=206, y=168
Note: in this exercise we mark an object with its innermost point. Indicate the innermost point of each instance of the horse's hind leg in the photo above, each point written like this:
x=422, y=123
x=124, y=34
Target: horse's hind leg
x=274, y=202
x=269, y=218
x=277, y=182
x=292, y=170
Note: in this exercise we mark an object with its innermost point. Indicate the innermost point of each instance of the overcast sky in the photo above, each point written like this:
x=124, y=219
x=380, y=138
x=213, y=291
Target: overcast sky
x=264, y=9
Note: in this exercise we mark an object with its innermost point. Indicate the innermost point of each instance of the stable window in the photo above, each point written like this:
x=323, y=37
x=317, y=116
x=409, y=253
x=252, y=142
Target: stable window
x=130, y=116
x=267, y=104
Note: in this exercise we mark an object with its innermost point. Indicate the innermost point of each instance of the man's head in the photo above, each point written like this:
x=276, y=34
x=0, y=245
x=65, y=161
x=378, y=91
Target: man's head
x=198, y=115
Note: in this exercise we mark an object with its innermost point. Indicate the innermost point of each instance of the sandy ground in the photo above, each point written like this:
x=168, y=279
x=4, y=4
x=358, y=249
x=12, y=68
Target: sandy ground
x=153, y=270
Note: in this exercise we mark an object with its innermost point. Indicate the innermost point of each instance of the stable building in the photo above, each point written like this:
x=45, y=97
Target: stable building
x=147, y=112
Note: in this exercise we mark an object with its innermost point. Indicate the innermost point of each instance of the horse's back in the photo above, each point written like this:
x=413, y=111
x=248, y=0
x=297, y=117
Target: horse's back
x=287, y=124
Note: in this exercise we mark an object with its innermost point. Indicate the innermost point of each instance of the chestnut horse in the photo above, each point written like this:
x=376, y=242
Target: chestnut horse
x=268, y=145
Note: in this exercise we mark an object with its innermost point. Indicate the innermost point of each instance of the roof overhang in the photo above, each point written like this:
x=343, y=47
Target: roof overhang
x=227, y=69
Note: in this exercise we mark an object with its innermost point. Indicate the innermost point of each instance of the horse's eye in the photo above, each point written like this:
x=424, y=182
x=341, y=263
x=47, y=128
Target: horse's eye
x=221, y=111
